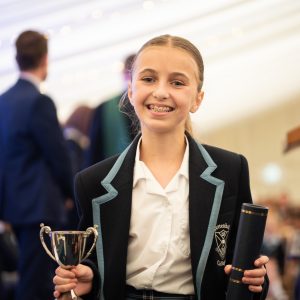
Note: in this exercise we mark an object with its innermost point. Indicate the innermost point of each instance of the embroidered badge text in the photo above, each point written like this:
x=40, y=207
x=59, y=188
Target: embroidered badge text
x=221, y=235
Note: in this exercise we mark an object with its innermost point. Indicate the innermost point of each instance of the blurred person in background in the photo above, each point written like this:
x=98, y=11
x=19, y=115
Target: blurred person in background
x=293, y=250
x=35, y=169
x=8, y=261
x=293, y=215
x=76, y=129
x=274, y=247
x=110, y=131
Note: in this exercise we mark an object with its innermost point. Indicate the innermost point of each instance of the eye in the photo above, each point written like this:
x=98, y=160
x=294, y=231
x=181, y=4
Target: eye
x=177, y=83
x=148, y=79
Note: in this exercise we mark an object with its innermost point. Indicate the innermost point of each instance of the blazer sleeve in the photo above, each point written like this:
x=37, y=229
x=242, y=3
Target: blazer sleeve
x=48, y=135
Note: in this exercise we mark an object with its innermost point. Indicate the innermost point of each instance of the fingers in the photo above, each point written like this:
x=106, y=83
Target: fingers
x=255, y=288
x=259, y=272
x=65, y=287
x=254, y=278
x=228, y=269
x=63, y=276
x=64, y=281
x=259, y=280
x=56, y=294
x=261, y=261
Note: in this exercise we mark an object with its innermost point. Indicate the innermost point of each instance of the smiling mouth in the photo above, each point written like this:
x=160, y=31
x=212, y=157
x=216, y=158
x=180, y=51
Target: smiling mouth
x=156, y=108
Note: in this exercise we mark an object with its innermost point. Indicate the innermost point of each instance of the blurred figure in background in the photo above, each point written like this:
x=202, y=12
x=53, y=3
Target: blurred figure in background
x=35, y=169
x=110, y=130
x=282, y=245
x=274, y=246
x=293, y=250
x=8, y=261
x=76, y=130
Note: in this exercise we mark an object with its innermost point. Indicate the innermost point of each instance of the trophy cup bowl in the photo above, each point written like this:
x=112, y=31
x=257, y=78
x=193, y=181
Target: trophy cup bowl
x=68, y=249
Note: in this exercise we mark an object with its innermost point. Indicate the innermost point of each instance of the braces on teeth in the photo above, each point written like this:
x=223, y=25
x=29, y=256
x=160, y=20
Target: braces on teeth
x=160, y=108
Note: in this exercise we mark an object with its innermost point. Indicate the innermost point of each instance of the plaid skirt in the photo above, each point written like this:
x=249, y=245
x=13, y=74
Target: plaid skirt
x=134, y=294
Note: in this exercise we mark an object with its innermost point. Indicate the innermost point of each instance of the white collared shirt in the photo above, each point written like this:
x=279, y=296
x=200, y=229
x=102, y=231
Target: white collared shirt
x=159, y=241
x=31, y=78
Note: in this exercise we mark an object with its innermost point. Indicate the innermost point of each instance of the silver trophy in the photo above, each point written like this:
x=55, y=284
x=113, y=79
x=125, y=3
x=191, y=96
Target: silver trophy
x=68, y=249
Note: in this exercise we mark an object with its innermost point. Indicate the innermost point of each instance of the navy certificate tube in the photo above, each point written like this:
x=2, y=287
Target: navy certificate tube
x=247, y=249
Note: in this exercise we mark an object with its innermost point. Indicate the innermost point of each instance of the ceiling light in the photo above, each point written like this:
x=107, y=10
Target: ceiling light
x=271, y=173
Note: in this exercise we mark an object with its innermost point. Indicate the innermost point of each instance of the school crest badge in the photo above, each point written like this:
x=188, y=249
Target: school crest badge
x=221, y=236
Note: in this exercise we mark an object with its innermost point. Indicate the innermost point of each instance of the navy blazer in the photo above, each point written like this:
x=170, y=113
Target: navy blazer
x=219, y=184
x=35, y=170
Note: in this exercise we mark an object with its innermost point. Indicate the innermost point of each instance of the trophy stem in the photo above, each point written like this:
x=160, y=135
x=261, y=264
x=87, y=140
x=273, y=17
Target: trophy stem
x=69, y=296
x=74, y=297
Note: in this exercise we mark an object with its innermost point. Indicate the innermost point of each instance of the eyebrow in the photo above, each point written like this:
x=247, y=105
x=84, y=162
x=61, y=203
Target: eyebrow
x=147, y=70
x=155, y=72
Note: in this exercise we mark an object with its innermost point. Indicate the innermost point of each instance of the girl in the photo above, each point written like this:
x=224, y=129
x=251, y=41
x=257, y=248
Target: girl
x=167, y=208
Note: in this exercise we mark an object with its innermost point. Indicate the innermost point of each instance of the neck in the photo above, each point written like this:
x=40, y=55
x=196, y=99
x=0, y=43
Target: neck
x=162, y=147
x=163, y=155
x=38, y=73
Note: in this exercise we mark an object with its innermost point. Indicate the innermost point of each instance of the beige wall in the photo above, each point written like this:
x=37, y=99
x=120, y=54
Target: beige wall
x=261, y=138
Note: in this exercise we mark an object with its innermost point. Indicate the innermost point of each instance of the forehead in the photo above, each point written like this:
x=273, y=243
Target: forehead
x=166, y=58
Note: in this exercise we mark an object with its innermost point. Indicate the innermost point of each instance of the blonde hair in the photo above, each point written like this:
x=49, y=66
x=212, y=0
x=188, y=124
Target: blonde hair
x=175, y=42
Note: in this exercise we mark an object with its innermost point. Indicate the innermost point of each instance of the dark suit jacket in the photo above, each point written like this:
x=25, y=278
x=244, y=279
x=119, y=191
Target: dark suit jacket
x=219, y=184
x=35, y=171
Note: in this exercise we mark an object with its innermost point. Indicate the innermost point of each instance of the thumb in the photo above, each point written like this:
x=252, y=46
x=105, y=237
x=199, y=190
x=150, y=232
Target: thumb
x=227, y=269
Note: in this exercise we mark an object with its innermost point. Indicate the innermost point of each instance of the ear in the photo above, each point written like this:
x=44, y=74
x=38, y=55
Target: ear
x=197, y=102
x=44, y=61
x=129, y=91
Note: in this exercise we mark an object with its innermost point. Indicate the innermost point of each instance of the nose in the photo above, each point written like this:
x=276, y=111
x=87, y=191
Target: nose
x=160, y=92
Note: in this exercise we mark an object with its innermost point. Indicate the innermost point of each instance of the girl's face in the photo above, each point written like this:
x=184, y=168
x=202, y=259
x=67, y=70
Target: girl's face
x=163, y=89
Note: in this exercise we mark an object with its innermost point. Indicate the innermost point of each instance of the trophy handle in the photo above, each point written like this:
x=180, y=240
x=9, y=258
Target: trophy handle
x=47, y=230
x=91, y=230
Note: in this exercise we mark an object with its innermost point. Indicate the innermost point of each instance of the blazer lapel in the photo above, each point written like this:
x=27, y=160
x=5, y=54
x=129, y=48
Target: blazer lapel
x=204, y=203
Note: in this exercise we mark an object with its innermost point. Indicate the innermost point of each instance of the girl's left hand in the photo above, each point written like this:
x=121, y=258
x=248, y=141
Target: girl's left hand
x=254, y=278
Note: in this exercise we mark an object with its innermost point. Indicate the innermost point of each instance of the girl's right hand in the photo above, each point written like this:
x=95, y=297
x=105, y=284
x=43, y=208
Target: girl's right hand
x=79, y=279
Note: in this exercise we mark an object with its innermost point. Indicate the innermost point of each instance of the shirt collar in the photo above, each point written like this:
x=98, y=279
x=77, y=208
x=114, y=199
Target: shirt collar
x=31, y=78
x=139, y=172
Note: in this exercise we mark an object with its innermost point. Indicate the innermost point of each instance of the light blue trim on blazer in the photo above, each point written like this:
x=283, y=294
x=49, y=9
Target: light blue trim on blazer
x=206, y=175
x=96, y=203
